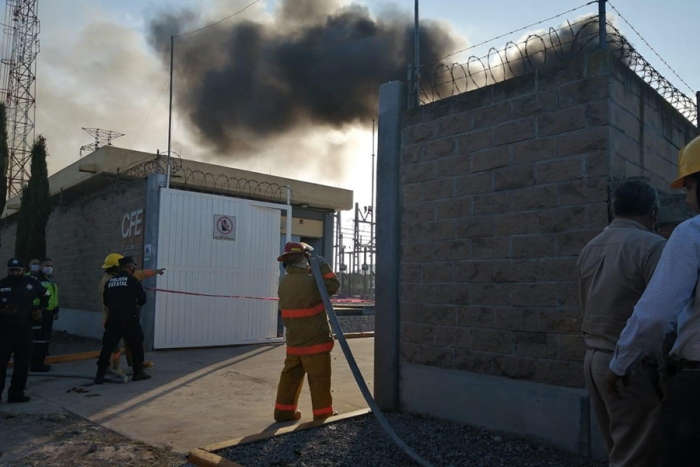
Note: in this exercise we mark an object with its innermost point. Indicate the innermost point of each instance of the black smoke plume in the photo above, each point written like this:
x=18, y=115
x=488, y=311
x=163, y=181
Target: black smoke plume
x=315, y=63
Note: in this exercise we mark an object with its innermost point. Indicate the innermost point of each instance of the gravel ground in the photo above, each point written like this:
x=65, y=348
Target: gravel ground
x=63, y=343
x=361, y=442
x=357, y=323
x=63, y=439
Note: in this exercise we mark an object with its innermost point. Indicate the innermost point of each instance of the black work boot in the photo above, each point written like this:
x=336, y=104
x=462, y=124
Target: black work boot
x=100, y=376
x=21, y=397
x=140, y=376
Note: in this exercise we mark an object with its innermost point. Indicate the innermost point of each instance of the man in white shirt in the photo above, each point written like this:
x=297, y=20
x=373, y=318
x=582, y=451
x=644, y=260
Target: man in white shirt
x=671, y=303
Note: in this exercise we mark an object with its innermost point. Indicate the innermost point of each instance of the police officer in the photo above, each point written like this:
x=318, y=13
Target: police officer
x=43, y=329
x=17, y=294
x=123, y=296
x=111, y=268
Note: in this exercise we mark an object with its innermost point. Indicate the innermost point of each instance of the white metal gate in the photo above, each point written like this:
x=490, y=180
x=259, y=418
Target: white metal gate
x=199, y=266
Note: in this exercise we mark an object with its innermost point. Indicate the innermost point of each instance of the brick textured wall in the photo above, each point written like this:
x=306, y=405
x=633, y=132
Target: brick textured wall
x=672, y=211
x=501, y=187
x=81, y=232
x=646, y=131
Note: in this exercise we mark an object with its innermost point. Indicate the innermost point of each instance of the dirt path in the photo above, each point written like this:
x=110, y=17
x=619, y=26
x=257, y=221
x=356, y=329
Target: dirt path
x=35, y=434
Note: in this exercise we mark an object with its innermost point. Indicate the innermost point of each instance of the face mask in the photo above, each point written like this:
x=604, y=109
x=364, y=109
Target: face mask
x=34, y=268
x=48, y=270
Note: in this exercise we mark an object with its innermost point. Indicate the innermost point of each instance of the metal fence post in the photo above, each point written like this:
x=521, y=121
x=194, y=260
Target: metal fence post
x=602, y=25
x=697, y=110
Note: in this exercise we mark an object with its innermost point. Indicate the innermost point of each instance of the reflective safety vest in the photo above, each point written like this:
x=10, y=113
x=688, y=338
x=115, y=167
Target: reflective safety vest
x=50, y=284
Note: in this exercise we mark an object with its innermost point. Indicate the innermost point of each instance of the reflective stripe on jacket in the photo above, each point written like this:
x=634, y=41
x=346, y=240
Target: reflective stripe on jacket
x=50, y=284
x=305, y=317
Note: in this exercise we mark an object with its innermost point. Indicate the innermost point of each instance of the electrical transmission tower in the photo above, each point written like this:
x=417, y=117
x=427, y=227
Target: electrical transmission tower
x=102, y=138
x=21, y=29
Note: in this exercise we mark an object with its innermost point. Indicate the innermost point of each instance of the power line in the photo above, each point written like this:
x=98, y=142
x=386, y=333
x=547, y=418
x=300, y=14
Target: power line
x=220, y=21
x=518, y=30
x=650, y=47
x=133, y=141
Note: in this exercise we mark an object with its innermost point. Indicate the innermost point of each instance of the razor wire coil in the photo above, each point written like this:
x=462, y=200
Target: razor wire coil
x=538, y=51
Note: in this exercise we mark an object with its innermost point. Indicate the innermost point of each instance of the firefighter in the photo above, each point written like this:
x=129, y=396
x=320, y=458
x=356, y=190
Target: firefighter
x=111, y=266
x=123, y=296
x=17, y=294
x=44, y=328
x=309, y=338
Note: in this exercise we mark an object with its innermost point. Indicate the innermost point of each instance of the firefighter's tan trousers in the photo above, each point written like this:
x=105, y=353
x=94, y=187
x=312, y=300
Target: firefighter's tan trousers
x=318, y=368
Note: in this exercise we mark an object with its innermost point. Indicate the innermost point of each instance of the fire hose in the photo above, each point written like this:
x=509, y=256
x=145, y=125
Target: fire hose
x=381, y=419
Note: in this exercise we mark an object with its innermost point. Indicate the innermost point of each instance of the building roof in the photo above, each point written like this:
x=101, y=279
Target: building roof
x=110, y=160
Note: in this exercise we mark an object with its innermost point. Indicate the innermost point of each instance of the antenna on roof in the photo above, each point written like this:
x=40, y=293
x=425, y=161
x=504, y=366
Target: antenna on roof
x=102, y=138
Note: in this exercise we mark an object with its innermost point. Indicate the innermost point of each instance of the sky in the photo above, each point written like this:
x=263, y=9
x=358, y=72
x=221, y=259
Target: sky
x=96, y=68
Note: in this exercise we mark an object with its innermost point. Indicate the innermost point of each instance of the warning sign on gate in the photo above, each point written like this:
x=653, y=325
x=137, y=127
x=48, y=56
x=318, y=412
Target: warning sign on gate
x=224, y=227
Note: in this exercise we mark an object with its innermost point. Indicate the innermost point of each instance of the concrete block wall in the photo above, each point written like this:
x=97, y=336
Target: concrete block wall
x=501, y=187
x=646, y=130
x=80, y=233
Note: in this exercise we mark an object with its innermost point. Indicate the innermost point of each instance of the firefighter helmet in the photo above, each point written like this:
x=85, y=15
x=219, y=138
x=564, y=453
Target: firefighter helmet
x=294, y=248
x=688, y=162
x=112, y=260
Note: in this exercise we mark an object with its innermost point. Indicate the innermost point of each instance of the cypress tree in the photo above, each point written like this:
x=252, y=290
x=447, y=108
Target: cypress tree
x=35, y=209
x=4, y=157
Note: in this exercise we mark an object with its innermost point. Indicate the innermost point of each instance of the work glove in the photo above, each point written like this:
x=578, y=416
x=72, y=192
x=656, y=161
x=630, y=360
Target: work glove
x=161, y=271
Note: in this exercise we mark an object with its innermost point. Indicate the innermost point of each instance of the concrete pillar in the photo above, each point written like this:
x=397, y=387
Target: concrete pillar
x=392, y=103
x=150, y=242
x=328, y=224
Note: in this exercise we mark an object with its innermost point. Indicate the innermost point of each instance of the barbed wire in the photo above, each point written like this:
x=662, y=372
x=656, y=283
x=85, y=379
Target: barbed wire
x=541, y=50
x=524, y=28
x=649, y=45
x=637, y=63
x=199, y=180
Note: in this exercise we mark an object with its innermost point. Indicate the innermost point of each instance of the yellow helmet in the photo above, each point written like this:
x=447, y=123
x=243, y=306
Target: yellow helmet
x=688, y=162
x=112, y=260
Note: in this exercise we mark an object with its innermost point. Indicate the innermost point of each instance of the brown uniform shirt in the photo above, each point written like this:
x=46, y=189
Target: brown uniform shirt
x=614, y=269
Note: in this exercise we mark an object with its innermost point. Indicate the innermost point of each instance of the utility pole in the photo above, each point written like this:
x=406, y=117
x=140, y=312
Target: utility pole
x=602, y=25
x=697, y=110
x=372, y=243
x=170, y=109
x=416, y=58
x=356, y=246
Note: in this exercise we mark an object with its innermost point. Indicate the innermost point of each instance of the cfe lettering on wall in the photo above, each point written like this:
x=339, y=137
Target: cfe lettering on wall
x=224, y=227
x=132, y=234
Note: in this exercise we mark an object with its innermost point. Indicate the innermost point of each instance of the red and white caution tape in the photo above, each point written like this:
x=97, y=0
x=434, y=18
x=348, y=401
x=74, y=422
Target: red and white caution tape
x=195, y=294
x=246, y=297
